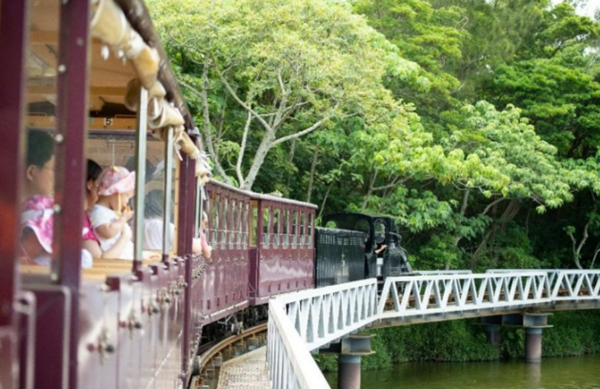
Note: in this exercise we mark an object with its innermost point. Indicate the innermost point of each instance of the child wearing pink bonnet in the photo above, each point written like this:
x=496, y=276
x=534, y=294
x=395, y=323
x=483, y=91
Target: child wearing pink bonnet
x=110, y=214
x=37, y=222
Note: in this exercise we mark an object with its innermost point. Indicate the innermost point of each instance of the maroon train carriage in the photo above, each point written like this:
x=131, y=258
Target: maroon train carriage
x=262, y=246
x=118, y=324
x=283, y=258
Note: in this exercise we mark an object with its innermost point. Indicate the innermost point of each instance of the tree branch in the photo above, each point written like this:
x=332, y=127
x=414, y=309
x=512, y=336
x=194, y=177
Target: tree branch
x=240, y=102
x=299, y=134
x=486, y=210
x=206, y=116
x=463, y=209
x=238, y=165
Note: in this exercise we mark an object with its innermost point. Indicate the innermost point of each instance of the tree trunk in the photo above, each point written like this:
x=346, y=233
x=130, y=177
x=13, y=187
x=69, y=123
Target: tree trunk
x=509, y=213
x=311, y=180
x=259, y=158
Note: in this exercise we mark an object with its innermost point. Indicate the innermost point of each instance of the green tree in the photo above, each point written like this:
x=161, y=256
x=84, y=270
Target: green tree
x=270, y=72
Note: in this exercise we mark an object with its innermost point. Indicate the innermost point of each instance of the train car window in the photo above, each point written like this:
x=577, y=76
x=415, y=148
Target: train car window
x=245, y=224
x=294, y=229
x=37, y=209
x=363, y=226
x=237, y=228
x=224, y=223
x=174, y=201
x=253, y=224
x=285, y=226
x=276, y=227
x=266, y=227
x=115, y=151
x=214, y=225
x=232, y=223
x=310, y=230
x=379, y=231
x=301, y=229
x=199, y=209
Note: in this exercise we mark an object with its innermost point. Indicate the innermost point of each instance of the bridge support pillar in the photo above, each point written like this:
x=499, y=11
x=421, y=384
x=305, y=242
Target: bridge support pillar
x=533, y=345
x=492, y=333
x=349, y=371
x=351, y=350
x=533, y=323
x=491, y=325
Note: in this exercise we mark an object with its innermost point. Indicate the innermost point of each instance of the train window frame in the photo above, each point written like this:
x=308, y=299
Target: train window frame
x=379, y=237
x=301, y=228
x=214, y=220
x=224, y=231
x=233, y=237
x=285, y=228
x=294, y=228
x=310, y=225
x=266, y=230
x=253, y=226
x=276, y=227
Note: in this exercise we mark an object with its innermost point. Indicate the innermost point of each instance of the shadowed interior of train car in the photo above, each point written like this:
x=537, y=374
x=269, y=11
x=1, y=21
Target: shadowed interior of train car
x=111, y=142
x=130, y=299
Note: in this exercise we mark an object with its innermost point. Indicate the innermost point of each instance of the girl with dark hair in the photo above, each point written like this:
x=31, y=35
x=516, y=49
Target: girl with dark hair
x=39, y=166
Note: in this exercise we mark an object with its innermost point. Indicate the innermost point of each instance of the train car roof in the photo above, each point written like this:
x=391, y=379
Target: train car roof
x=260, y=196
x=108, y=75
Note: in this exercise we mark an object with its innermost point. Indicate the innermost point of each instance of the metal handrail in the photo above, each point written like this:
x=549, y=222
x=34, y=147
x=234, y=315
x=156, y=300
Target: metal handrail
x=304, y=321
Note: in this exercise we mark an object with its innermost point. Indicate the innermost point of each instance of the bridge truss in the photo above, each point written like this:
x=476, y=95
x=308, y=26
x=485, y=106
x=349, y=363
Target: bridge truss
x=300, y=323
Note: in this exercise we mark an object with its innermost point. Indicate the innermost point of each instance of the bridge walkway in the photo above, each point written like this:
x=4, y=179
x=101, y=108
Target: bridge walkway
x=248, y=371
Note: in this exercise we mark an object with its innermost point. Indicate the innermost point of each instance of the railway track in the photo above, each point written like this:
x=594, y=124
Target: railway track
x=208, y=364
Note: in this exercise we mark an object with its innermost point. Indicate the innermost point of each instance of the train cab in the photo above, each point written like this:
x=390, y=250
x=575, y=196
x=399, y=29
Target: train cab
x=383, y=254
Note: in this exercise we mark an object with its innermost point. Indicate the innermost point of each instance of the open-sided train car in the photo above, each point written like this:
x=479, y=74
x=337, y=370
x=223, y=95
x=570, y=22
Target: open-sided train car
x=92, y=77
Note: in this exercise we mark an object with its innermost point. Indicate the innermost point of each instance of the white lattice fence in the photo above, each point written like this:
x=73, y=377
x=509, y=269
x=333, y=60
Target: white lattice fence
x=304, y=321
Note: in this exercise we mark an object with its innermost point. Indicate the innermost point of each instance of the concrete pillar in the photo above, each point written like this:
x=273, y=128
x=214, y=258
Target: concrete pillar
x=350, y=351
x=533, y=345
x=349, y=371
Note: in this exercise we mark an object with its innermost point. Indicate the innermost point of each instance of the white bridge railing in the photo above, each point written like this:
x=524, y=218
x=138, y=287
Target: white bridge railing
x=305, y=321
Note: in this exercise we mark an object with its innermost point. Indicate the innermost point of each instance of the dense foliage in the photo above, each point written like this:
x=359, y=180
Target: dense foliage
x=475, y=123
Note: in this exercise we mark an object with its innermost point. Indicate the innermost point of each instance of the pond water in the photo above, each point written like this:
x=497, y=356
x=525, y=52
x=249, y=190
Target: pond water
x=552, y=373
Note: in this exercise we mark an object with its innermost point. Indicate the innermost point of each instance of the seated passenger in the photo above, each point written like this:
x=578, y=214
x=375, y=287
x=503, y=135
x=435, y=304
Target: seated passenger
x=204, y=246
x=39, y=166
x=153, y=225
x=109, y=216
x=90, y=240
x=36, y=238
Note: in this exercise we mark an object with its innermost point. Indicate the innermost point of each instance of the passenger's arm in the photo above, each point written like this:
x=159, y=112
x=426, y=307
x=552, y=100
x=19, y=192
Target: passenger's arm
x=108, y=230
x=93, y=247
x=117, y=249
x=205, y=247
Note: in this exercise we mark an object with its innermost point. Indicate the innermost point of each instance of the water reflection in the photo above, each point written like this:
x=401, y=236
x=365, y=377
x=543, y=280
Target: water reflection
x=552, y=373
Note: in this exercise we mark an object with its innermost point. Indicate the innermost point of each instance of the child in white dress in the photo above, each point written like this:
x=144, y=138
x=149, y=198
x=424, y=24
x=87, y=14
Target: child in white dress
x=109, y=216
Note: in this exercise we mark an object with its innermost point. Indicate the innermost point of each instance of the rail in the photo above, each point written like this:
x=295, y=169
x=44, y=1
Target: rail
x=305, y=321
x=222, y=351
